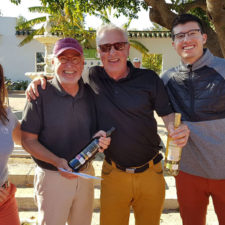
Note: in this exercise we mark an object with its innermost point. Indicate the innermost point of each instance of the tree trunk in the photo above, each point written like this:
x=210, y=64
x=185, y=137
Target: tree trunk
x=161, y=13
x=216, y=13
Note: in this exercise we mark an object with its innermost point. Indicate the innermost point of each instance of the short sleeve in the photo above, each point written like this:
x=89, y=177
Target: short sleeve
x=12, y=118
x=31, y=121
x=162, y=103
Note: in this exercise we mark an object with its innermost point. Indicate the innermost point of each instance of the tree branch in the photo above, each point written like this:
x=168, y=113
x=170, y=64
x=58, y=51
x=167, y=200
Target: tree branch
x=195, y=4
x=162, y=14
x=216, y=9
x=216, y=13
x=159, y=8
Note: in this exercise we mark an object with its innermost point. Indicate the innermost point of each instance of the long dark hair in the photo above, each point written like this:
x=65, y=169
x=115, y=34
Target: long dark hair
x=3, y=96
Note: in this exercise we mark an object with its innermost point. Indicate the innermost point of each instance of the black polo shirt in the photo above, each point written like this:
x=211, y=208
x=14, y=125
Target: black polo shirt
x=64, y=124
x=128, y=104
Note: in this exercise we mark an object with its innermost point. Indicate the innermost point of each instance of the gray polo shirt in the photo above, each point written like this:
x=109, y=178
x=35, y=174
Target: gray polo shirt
x=64, y=124
x=6, y=143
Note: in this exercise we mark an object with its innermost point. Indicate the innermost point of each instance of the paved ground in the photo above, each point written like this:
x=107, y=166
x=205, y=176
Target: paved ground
x=169, y=217
x=17, y=102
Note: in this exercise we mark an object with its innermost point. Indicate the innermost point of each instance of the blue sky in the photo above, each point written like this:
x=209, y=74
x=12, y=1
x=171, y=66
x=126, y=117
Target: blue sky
x=10, y=10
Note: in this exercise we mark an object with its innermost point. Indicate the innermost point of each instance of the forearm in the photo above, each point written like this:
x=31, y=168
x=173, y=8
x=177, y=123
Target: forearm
x=36, y=149
x=16, y=134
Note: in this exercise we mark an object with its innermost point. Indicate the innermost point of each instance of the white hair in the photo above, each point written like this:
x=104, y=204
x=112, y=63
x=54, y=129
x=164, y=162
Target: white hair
x=108, y=27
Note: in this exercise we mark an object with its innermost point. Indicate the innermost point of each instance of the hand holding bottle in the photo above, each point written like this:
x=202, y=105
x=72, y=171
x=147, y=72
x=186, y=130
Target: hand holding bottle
x=104, y=141
x=177, y=138
x=179, y=135
x=90, y=150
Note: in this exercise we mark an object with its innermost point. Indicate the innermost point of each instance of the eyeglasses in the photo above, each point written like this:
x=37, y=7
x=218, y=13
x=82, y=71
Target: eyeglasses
x=118, y=46
x=74, y=60
x=191, y=34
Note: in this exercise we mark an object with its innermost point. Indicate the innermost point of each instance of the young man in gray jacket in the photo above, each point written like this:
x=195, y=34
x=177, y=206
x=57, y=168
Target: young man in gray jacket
x=196, y=88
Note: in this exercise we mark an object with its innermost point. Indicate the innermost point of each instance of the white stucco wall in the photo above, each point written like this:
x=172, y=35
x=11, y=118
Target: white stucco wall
x=17, y=60
x=158, y=46
x=14, y=59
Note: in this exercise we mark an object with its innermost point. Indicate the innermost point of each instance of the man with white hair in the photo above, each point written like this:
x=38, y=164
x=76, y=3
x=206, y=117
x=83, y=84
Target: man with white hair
x=126, y=97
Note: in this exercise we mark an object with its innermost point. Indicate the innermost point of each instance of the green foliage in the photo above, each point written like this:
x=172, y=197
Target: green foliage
x=17, y=2
x=30, y=36
x=66, y=19
x=8, y=82
x=90, y=53
x=103, y=15
x=138, y=46
x=68, y=16
x=22, y=21
x=179, y=6
x=202, y=15
x=128, y=8
x=17, y=85
x=153, y=62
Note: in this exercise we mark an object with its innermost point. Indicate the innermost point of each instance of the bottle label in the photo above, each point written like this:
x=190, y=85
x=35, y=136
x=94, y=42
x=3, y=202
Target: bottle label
x=174, y=152
x=90, y=150
x=175, y=167
x=75, y=163
x=80, y=159
x=84, y=156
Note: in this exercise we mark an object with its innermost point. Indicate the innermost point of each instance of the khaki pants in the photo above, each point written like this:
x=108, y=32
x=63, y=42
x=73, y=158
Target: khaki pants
x=62, y=200
x=145, y=192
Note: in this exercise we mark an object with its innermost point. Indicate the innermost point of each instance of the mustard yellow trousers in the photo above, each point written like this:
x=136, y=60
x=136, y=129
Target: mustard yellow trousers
x=144, y=192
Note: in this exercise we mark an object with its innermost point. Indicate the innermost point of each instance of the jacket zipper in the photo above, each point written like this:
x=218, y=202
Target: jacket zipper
x=190, y=75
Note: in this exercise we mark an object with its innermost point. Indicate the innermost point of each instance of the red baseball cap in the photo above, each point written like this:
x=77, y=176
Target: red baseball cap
x=65, y=44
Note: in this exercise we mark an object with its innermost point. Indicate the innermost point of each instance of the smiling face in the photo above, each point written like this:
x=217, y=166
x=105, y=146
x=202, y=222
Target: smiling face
x=190, y=49
x=68, y=67
x=114, y=61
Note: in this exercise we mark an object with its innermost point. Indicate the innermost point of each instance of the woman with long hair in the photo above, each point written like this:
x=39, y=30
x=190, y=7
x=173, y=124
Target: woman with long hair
x=9, y=132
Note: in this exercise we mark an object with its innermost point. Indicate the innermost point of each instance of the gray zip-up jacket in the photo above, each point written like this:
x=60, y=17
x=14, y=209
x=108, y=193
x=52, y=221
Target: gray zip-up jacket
x=198, y=92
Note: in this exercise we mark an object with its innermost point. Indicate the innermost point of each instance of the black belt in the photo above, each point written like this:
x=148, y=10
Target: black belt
x=140, y=169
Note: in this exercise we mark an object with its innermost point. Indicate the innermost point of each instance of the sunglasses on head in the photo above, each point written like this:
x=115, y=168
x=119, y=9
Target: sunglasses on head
x=118, y=46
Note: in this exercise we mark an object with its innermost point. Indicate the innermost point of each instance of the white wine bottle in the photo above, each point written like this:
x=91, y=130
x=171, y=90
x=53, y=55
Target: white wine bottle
x=173, y=152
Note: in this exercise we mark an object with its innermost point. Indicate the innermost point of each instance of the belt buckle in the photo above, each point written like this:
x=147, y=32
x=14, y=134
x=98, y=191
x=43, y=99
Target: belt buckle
x=130, y=170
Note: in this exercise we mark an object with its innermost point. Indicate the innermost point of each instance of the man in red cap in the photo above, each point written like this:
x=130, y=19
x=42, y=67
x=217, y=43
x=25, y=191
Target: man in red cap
x=56, y=126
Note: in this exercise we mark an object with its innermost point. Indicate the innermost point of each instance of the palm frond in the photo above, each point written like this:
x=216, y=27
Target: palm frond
x=127, y=24
x=105, y=19
x=139, y=46
x=31, y=36
x=31, y=23
x=39, y=9
x=17, y=2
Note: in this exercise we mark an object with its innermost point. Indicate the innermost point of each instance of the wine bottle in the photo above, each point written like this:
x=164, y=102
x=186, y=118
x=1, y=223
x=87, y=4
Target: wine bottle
x=87, y=153
x=173, y=152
